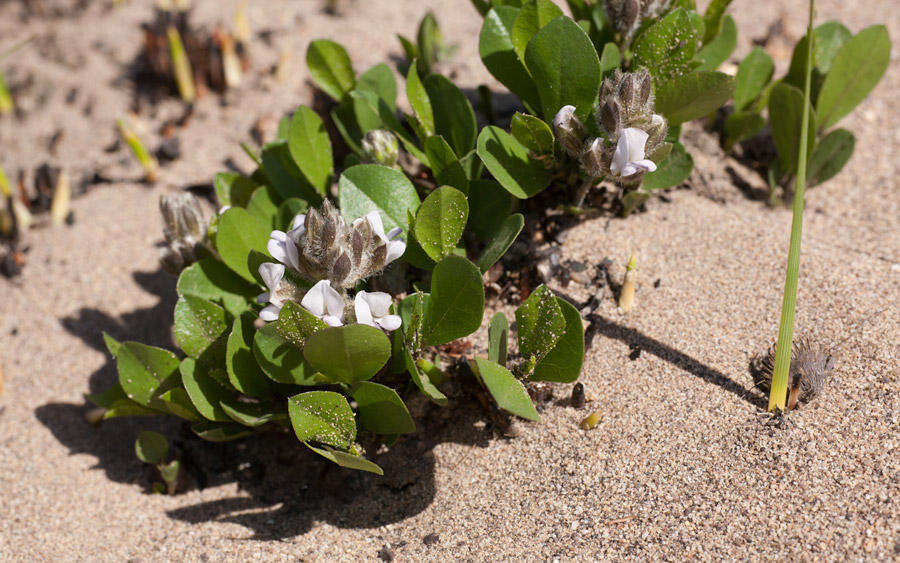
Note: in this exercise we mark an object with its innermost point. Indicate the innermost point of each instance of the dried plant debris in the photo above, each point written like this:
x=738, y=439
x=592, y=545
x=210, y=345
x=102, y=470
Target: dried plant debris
x=811, y=366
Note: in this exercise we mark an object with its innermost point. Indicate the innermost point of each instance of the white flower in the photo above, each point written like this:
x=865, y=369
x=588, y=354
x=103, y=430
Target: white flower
x=629, y=156
x=395, y=248
x=324, y=302
x=373, y=309
x=272, y=274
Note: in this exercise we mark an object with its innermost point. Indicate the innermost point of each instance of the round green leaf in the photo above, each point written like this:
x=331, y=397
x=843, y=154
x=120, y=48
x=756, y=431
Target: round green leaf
x=440, y=221
x=263, y=204
x=330, y=68
x=239, y=235
x=510, y=162
x=380, y=81
x=504, y=236
x=418, y=99
x=207, y=388
x=456, y=304
x=540, y=324
x=693, y=96
x=498, y=338
x=253, y=415
x=508, y=391
x=283, y=173
x=372, y=187
x=345, y=459
x=220, y=431
x=532, y=132
x=720, y=48
x=667, y=47
x=179, y=403
x=280, y=360
x=672, y=171
x=198, y=324
x=151, y=447
x=288, y=210
x=381, y=409
x=563, y=363
x=243, y=371
x=785, y=117
x=349, y=353
x=210, y=279
x=534, y=15
x=146, y=371
x=322, y=416
x=489, y=204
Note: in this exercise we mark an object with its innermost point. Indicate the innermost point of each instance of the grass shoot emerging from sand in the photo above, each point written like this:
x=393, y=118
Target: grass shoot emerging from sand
x=788, y=305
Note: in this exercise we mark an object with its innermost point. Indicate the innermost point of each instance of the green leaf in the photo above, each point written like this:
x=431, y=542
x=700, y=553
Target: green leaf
x=456, y=304
x=667, y=47
x=310, y=148
x=753, y=74
x=454, y=118
x=717, y=51
x=280, y=360
x=288, y=210
x=830, y=156
x=504, y=236
x=112, y=345
x=198, y=324
x=740, y=126
x=508, y=391
x=146, y=371
x=713, y=19
x=693, y=96
x=263, y=204
x=510, y=163
x=295, y=323
x=324, y=417
x=253, y=415
x=127, y=407
x=151, y=447
x=565, y=67
x=489, y=204
x=785, y=118
x=563, y=363
x=348, y=354
x=244, y=373
x=207, y=388
x=330, y=68
x=856, y=69
x=440, y=221
x=381, y=410
x=283, y=174
x=233, y=189
x=418, y=100
x=532, y=133
x=380, y=81
x=220, y=431
x=540, y=324
x=372, y=187
x=498, y=338
x=533, y=16
x=422, y=381
x=178, y=402
x=610, y=59
x=345, y=459
x=672, y=171
x=210, y=279
x=830, y=37
x=447, y=168
x=240, y=233
x=495, y=47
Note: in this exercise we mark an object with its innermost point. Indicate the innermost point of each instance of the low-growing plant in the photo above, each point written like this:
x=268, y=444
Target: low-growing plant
x=429, y=47
x=844, y=69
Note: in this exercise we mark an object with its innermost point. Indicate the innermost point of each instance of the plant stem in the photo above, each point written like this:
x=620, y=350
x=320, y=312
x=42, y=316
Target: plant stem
x=783, y=347
x=6, y=100
x=184, y=76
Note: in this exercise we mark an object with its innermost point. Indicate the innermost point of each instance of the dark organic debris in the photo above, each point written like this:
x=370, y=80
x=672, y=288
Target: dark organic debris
x=577, y=400
x=431, y=539
x=811, y=366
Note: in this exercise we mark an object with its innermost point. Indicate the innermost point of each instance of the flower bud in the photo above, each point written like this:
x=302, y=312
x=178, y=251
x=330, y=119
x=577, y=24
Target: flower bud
x=594, y=161
x=380, y=146
x=569, y=130
x=611, y=117
x=656, y=130
x=185, y=224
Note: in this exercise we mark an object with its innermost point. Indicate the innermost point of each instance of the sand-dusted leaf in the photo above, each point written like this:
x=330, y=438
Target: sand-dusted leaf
x=348, y=354
x=178, y=402
x=498, y=338
x=244, y=373
x=563, y=363
x=220, y=431
x=692, y=96
x=295, y=323
x=565, y=67
x=456, y=303
x=151, y=447
x=440, y=221
x=510, y=162
x=667, y=47
x=489, y=204
x=381, y=409
x=146, y=371
x=742, y=125
x=324, y=417
x=672, y=171
x=504, y=236
x=372, y=187
x=753, y=74
x=532, y=133
x=239, y=234
x=284, y=175
x=310, y=148
x=830, y=156
x=454, y=118
x=207, y=387
x=785, y=117
x=499, y=56
x=380, y=81
x=280, y=360
x=348, y=460
x=534, y=15
x=855, y=70
x=720, y=47
x=198, y=324
x=418, y=99
x=540, y=324
x=330, y=68
x=508, y=391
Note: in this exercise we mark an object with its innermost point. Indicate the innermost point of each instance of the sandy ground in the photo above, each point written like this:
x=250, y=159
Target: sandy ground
x=682, y=464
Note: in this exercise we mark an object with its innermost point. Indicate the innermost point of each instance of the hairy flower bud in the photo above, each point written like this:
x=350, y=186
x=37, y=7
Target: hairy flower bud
x=626, y=15
x=595, y=159
x=380, y=147
x=569, y=131
x=185, y=222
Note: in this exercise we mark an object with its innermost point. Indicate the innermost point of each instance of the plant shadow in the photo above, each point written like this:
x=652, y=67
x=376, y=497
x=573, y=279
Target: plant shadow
x=283, y=488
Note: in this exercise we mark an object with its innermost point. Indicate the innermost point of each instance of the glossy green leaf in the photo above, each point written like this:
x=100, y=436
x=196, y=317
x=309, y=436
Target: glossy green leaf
x=210, y=279
x=563, y=363
x=324, y=417
x=421, y=380
x=830, y=156
x=233, y=189
x=504, y=236
x=533, y=16
x=510, y=163
x=199, y=324
x=372, y=187
x=440, y=221
x=532, y=133
x=284, y=175
x=263, y=204
x=220, y=431
x=565, y=67
x=381, y=410
x=207, y=388
x=287, y=211
x=178, y=402
x=785, y=115
x=244, y=373
x=418, y=100
x=380, y=81
x=310, y=148
x=348, y=354
x=753, y=74
x=489, y=204
x=347, y=460
x=672, y=171
x=146, y=371
x=508, y=391
x=330, y=68
x=280, y=360
x=540, y=324
x=151, y=447
x=498, y=339
x=693, y=96
x=720, y=48
x=456, y=304
x=610, y=58
x=447, y=168
x=454, y=118
x=495, y=47
x=253, y=415
x=239, y=234
x=829, y=38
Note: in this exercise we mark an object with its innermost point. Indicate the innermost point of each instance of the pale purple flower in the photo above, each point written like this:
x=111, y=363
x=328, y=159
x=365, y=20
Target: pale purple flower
x=374, y=308
x=272, y=275
x=628, y=159
x=325, y=303
x=283, y=245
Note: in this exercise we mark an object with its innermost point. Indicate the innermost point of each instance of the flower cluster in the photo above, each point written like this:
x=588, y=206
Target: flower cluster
x=626, y=15
x=322, y=249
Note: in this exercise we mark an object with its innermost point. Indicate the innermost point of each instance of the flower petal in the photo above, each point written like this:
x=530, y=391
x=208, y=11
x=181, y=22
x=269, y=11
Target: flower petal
x=374, y=219
x=272, y=274
x=394, y=233
x=332, y=321
x=635, y=140
x=362, y=310
x=645, y=164
x=395, y=249
x=379, y=302
x=334, y=303
x=390, y=322
x=262, y=298
x=270, y=313
x=314, y=300
x=298, y=222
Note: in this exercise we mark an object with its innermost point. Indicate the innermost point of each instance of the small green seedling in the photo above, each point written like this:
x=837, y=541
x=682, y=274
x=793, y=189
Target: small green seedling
x=147, y=161
x=181, y=65
x=153, y=448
